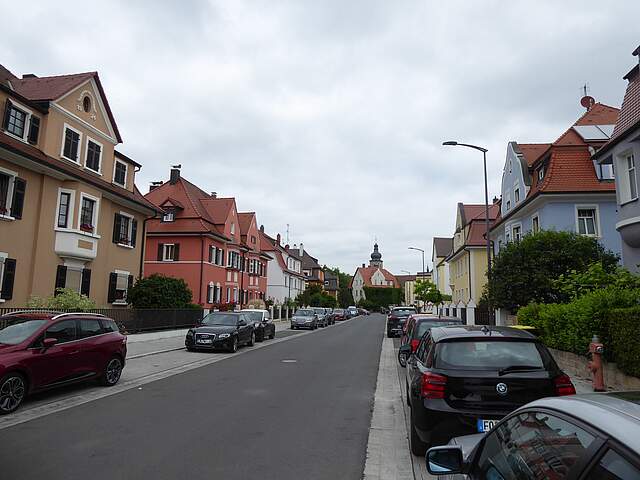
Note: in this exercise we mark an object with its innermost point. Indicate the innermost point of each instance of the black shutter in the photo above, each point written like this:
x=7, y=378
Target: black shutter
x=85, y=284
x=134, y=231
x=129, y=282
x=19, y=188
x=176, y=252
x=113, y=279
x=34, y=130
x=160, y=251
x=61, y=278
x=117, y=223
x=7, y=111
x=7, y=281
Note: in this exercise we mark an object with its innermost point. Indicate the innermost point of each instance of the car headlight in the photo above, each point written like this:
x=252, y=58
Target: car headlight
x=190, y=333
x=224, y=335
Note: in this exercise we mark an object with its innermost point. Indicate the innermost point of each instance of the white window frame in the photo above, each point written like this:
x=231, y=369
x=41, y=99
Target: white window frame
x=626, y=190
x=130, y=232
x=535, y=216
x=126, y=173
x=64, y=134
x=72, y=203
x=27, y=123
x=12, y=180
x=513, y=233
x=596, y=222
x=122, y=273
x=516, y=195
x=211, y=293
x=541, y=173
x=96, y=216
x=165, y=250
x=86, y=152
x=169, y=216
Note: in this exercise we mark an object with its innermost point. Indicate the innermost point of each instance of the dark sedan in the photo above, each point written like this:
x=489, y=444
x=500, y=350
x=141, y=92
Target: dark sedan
x=464, y=379
x=262, y=323
x=221, y=331
x=417, y=326
x=396, y=318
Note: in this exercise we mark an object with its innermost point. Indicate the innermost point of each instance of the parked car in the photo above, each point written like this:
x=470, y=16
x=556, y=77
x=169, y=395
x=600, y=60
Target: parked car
x=304, y=318
x=39, y=351
x=339, y=314
x=322, y=316
x=416, y=326
x=221, y=331
x=396, y=319
x=352, y=312
x=329, y=313
x=588, y=436
x=464, y=379
x=262, y=323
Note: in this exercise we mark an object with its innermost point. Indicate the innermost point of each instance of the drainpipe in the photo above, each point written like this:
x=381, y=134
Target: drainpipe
x=201, y=269
x=144, y=242
x=469, y=273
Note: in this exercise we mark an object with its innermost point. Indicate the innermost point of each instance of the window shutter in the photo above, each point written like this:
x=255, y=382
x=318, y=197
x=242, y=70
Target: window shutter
x=160, y=250
x=117, y=223
x=7, y=281
x=85, y=284
x=61, y=278
x=19, y=188
x=129, y=282
x=34, y=130
x=134, y=231
x=7, y=111
x=176, y=252
x=111, y=295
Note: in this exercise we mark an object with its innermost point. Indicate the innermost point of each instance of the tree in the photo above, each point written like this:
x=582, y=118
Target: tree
x=345, y=296
x=65, y=299
x=426, y=291
x=383, y=297
x=304, y=298
x=575, y=284
x=526, y=271
x=159, y=291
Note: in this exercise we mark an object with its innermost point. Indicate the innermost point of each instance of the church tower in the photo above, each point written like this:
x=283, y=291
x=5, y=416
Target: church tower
x=376, y=257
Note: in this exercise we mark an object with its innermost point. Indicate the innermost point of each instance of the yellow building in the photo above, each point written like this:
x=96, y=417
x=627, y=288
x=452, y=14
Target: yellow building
x=70, y=214
x=442, y=248
x=468, y=260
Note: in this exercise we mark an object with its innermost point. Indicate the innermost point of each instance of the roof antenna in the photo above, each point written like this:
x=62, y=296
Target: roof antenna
x=586, y=101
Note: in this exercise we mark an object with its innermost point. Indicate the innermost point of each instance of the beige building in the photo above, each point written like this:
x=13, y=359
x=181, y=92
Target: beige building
x=70, y=214
x=468, y=260
x=442, y=248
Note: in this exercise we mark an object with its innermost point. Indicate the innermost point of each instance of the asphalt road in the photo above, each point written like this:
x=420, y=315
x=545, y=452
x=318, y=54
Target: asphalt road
x=249, y=416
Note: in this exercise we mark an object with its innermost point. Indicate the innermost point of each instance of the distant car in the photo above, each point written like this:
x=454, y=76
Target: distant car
x=304, y=318
x=221, y=331
x=339, y=314
x=588, y=436
x=39, y=351
x=262, y=323
x=329, y=313
x=323, y=321
x=464, y=379
x=352, y=312
x=396, y=319
x=418, y=325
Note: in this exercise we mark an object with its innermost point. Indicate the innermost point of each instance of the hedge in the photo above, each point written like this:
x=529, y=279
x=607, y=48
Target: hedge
x=570, y=326
x=383, y=297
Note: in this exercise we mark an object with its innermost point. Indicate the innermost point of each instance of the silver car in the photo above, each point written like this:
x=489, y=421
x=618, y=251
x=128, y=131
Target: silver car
x=304, y=318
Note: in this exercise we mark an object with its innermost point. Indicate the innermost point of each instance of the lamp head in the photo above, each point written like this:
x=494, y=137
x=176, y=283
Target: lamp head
x=450, y=143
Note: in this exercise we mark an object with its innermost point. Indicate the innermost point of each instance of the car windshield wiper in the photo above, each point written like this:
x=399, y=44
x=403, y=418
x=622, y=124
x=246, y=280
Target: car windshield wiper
x=519, y=368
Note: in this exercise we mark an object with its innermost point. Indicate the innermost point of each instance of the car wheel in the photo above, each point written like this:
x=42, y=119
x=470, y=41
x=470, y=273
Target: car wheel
x=13, y=389
x=389, y=334
x=273, y=334
x=112, y=372
x=418, y=447
x=191, y=349
x=252, y=340
x=260, y=338
x=234, y=345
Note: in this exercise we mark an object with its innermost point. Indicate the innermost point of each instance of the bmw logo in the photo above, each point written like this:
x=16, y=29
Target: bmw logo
x=501, y=388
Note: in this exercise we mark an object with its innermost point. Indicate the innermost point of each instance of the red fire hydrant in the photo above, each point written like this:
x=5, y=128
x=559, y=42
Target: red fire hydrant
x=595, y=364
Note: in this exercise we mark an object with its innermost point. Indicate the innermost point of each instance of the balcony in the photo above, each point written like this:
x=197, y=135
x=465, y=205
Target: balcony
x=76, y=244
x=630, y=231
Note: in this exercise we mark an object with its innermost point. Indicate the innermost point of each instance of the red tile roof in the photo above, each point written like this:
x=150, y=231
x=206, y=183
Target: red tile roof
x=630, y=112
x=477, y=211
x=599, y=114
x=367, y=273
x=244, y=221
x=533, y=151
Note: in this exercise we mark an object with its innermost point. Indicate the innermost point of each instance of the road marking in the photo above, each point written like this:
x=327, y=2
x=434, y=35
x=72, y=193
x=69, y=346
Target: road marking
x=289, y=361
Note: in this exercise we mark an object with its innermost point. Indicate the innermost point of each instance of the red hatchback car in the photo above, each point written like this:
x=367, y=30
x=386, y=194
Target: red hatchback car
x=39, y=351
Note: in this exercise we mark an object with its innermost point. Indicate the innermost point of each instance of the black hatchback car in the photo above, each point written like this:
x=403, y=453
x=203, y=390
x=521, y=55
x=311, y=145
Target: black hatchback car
x=221, y=331
x=464, y=379
x=396, y=319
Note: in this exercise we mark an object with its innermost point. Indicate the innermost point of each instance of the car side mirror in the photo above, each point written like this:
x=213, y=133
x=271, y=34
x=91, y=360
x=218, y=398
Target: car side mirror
x=241, y=323
x=406, y=348
x=49, y=342
x=444, y=460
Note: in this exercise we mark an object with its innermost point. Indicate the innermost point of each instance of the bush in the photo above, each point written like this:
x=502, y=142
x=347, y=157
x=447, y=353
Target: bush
x=383, y=297
x=624, y=335
x=159, y=291
x=65, y=299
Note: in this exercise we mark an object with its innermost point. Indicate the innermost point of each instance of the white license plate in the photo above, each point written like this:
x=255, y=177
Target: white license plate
x=486, y=425
x=204, y=340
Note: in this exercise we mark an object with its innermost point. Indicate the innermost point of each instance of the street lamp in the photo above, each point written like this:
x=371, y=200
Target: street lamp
x=419, y=250
x=486, y=210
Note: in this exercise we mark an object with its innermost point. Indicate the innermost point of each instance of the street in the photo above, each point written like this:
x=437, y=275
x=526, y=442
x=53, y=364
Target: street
x=296, y=409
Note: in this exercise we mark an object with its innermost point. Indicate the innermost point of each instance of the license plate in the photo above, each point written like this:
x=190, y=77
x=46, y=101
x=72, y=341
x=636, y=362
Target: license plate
x=486, y=425
x=204, y=340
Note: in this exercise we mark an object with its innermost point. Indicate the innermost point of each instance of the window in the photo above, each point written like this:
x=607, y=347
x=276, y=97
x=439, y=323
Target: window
x=16, y=121
x=12, y=192
x=541, y=173
x=169, y=252
x=510, y=166
x=125, y=229
x=508, y=205
x=587, y=221
x=631, y=175
x=517, y=233
x=71, y=144
x=7, y=276
x=89, y=327
x=63, y=209
x=76, y=278
x=64, y=331
x=516, y=195
x=535, y=224
x=87, y=215
x=119, y=284
x=86, y=104
x=253, y=239
x=533, y=445
x=169, y=216
x=94, y=155
x=613, y=466
x=120, y=173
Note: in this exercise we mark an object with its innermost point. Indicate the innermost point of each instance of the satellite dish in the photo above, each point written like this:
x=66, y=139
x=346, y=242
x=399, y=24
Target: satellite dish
x=587, y=101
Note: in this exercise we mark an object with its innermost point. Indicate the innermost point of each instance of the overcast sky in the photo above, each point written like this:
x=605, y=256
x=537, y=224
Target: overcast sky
x=328, y=115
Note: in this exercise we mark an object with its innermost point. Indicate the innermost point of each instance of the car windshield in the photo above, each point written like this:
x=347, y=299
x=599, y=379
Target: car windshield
x=254, y=316
x=221, y=319
x=403, y=311
x=487, y=355
x=424, y=326
x=19, y=332
x=338, y=310
x=319, y=310
x=305, y=313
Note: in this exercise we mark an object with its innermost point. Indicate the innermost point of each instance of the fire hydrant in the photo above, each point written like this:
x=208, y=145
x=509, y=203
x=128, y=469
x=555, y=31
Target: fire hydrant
x=595, y=364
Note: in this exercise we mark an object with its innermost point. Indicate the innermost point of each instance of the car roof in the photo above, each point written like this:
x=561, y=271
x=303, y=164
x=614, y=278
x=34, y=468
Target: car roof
x=48, y=315
x=220, y=312
x=428, y=316
x=615, y=413
x=478, y=332
x=404, y=308
x=252, y=310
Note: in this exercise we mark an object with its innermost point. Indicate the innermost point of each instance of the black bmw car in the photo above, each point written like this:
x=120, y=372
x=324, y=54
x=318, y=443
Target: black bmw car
x=221, y=331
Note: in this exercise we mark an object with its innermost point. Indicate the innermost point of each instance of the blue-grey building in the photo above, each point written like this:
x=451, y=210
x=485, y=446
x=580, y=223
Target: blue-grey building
x=620, y=154
x=557, y=186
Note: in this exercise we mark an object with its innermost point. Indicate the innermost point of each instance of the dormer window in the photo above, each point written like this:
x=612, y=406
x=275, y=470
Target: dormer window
x=120, y=173
x=169, y=216
x=541, y=174
x=516, y=195
x=20, y=123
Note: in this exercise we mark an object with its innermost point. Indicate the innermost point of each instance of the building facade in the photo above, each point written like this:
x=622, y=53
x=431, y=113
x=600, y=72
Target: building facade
x=375, y=275
x=557, y=186
x=442, y=248
x=285, y=279
x=620, y=155
x=205, y=241
x=70, y=214
x=331, y=283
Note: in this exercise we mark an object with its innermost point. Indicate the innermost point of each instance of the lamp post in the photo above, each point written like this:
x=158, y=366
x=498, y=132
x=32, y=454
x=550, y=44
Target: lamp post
x=486, y=212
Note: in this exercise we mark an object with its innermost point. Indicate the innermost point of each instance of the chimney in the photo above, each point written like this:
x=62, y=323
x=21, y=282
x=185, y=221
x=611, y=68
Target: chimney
x=29, y=75
x=214, y=194
x=175, y=174
x=154, y=185
x=301, y=249
x=278, y=239
x=262, y=228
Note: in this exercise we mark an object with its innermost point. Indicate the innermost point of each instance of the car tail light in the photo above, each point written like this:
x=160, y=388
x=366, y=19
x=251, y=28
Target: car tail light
x=392, y=317
x=433, y=385
x=564, y=386
x=414, y=344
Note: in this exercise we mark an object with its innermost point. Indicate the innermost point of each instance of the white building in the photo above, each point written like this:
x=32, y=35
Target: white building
x=372, y=276
x=284, y=273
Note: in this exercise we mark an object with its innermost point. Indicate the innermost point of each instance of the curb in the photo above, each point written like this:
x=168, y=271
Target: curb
x=156, y=352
